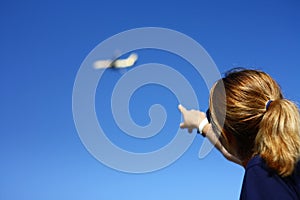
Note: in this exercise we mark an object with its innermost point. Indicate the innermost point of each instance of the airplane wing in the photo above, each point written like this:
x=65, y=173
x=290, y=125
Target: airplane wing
x=102, y=64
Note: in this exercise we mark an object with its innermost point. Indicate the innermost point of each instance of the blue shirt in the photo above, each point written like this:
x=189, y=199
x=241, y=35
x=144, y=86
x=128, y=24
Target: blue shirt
x=262, y=183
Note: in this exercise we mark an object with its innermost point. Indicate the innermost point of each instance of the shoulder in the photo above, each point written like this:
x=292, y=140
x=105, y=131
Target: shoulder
x=260, y=182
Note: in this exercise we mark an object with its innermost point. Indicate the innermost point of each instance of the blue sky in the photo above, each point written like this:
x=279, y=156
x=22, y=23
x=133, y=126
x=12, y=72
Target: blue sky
x=43, y=44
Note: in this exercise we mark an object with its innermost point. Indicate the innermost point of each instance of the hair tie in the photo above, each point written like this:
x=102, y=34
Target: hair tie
x=268, y=104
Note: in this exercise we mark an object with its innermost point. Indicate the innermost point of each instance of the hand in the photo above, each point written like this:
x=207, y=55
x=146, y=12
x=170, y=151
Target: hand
x=191, y=118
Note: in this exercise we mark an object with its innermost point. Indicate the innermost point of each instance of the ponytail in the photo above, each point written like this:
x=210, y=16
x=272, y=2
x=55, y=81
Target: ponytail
x=278, y=137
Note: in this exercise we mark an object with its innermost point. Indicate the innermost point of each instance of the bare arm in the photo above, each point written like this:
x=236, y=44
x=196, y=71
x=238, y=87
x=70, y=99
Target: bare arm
x=192, y=119
x=209, y=133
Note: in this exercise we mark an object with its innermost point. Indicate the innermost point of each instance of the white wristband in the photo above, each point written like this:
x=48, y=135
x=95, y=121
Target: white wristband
x=202, y=124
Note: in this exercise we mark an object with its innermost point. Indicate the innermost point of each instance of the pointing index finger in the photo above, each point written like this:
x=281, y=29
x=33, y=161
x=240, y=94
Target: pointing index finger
x=181, y=108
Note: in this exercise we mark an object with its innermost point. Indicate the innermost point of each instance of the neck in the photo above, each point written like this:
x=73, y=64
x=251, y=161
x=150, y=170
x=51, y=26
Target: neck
x=246, y=160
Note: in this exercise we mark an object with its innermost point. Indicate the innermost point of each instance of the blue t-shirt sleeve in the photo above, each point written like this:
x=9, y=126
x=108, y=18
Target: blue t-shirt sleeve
x=261, y=184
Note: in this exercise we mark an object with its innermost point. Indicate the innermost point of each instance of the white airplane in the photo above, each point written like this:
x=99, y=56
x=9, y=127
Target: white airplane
x=116, y=63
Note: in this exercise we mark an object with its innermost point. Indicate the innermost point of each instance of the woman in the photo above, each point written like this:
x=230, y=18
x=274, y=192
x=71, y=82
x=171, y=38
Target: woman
x=251, y=124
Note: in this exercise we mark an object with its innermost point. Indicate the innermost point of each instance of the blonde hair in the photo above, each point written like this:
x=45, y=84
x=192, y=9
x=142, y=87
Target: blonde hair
x=238, y=107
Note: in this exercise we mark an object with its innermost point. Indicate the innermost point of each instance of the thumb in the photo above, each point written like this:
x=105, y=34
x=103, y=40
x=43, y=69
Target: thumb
x=182, y=125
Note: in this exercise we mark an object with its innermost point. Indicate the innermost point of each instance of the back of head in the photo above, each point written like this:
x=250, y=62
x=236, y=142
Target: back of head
x=271, y=131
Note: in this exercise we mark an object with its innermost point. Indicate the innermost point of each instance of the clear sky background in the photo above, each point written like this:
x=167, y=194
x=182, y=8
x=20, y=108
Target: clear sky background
x=42, y=46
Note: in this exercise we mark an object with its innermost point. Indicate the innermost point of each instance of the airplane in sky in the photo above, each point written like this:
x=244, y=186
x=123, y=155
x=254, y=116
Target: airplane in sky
x=116, y=63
